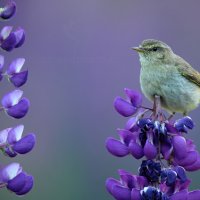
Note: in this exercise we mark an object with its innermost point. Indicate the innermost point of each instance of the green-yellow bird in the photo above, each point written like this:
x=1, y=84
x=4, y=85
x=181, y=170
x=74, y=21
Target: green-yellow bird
x=169, y=76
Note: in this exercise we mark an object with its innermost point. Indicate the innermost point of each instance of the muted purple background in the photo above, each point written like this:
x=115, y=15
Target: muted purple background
x=79, y=57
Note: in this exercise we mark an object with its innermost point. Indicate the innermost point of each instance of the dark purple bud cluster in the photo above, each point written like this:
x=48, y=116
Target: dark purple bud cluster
x=151, y=170
x=13, y=104
x=162, y=142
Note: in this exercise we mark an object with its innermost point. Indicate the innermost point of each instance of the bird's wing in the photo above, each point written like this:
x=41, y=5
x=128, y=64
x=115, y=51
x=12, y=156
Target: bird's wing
x=188, y=72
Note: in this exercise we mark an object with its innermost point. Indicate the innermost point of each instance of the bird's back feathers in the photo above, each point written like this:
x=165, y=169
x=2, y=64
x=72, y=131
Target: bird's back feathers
x=187, y=71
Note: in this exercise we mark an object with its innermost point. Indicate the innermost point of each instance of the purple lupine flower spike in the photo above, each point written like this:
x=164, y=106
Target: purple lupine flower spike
x=157, y=139
x=8, y=11
x=12, y=142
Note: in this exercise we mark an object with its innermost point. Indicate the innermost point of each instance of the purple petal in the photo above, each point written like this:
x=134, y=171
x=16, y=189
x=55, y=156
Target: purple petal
x=166, y=150
x=15, y=134
x=127, y=179
x=136, y=150
x=8, y=11
x=184, y=123
x=190, y=159
x=170, y=128
x=182, y=186
x=116, y=148
x=1, y=62
x=16, y=184
x=16, y=66
x=10, y=171
x=190, y=145
x=179, y=145
x=171, y=177
x=28, y=185
x=20, y=37
x=19, y=110
x=142, y=182
x=25, y=145
x=110, y=182
x=134, y=96
x=132, y=124
x=5, y=32
x=182, y=195
x=181, y=173
x=123, y=107
x=121, y=193
x=135, y=194
x=9, y=43
x=3, y=136
x=123, y=172
x=125, y=136
x=195, y=166
x=150, y=150
x=19, y=79
x=11, y=98
x=194, y=195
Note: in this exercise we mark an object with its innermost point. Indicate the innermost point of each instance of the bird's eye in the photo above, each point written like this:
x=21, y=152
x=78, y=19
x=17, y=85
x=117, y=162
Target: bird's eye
x=155, y=48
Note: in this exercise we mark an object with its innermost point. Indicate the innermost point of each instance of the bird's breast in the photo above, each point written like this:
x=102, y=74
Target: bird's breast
x=176, y=92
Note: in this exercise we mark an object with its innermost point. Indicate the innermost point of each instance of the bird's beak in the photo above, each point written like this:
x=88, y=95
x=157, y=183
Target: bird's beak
x=138, y=49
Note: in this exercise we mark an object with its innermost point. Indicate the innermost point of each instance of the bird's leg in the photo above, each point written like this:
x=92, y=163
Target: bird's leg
x=156, y=106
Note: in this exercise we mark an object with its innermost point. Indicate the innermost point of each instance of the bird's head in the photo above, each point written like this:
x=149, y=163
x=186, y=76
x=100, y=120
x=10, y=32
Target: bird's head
x=153, y=52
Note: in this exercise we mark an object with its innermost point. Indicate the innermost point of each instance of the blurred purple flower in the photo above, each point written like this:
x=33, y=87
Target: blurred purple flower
x=130, y=106
x=14, y=73
x=14, y=105
x=8, y=10
x=12, y=142
x=11, y=39
x=14, y=179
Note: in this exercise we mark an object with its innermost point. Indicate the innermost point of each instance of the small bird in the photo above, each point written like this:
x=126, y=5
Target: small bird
x=165, y=74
